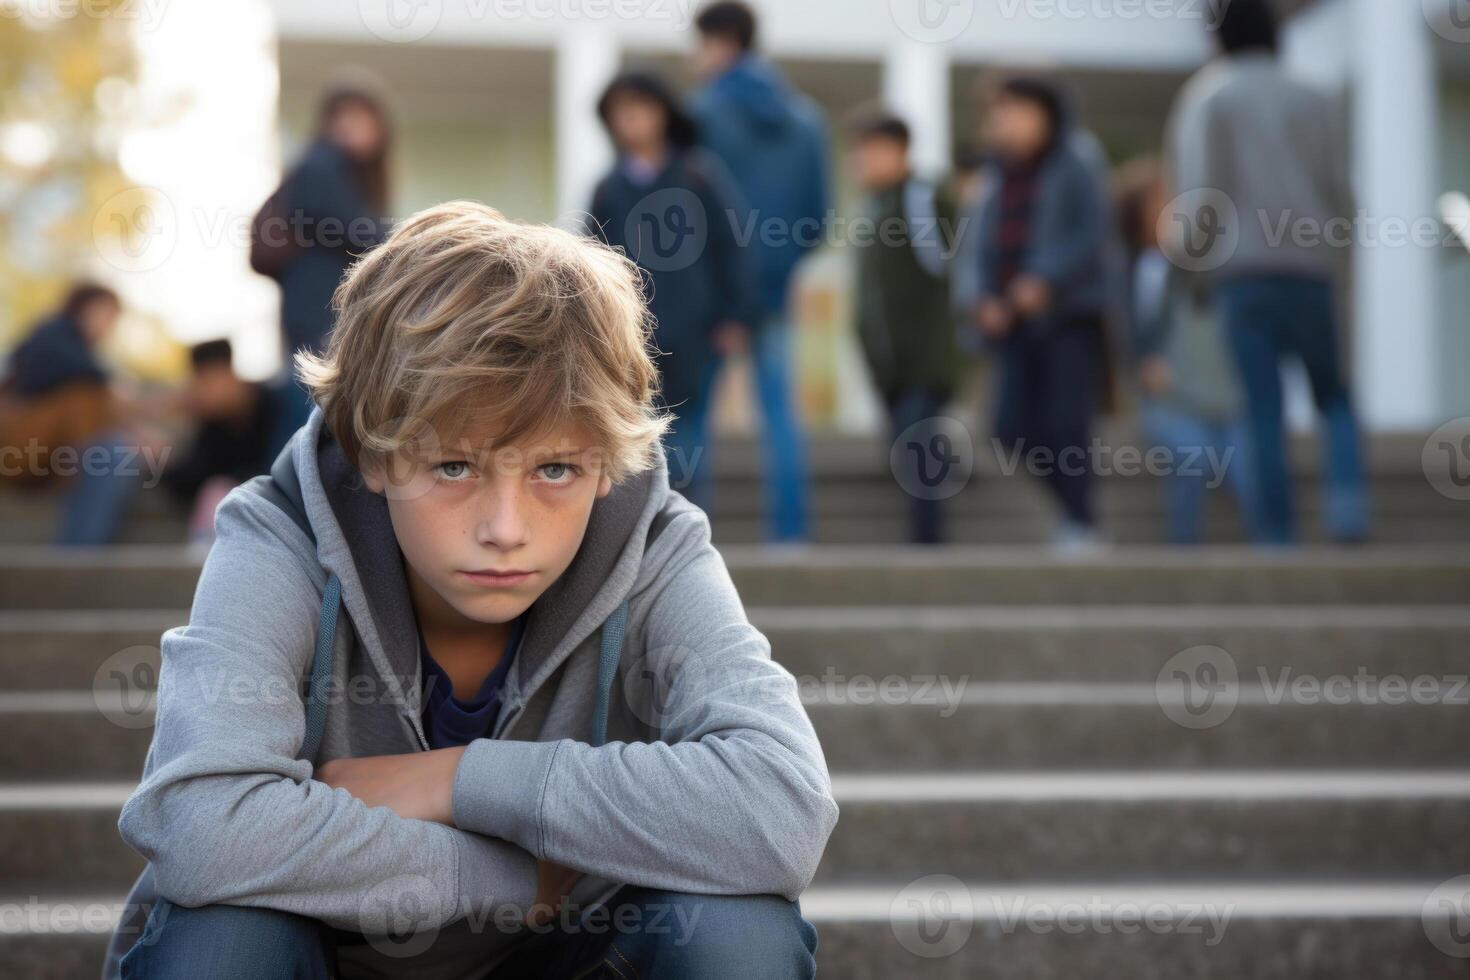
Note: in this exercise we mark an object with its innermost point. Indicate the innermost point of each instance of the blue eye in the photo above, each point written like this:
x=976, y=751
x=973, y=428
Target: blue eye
x=558, y=472
x=453, y=470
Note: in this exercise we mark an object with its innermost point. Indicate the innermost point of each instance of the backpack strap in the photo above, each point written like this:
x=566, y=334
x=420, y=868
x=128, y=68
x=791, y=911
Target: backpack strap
x=607, y=668
x=282, y=487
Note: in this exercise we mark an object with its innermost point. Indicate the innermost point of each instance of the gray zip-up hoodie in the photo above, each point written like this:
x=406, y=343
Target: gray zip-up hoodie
x=712, y=779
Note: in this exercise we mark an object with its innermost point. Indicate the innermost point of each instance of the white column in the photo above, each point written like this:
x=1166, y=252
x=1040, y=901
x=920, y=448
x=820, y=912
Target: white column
x=586, y=60
x=916, y=86
x=1395, y=149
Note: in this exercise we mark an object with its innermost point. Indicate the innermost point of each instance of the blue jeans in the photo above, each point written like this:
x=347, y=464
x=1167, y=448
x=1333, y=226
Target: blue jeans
x=783, y=451
x=1046, y=398
x=1268, y=318
x=108, y=477
x=642, y=932
x=1198, y=449
x=910, y=407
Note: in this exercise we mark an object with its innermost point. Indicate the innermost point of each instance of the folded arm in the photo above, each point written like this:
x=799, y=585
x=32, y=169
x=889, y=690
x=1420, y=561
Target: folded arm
x=734, y=799
x=226, y=812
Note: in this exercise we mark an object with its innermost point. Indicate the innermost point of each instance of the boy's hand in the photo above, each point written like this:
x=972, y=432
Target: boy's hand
x=553, y=886
x=416, y=785
x=1031, y=296
x=1154, y=375
x=730, y=338
x=994, y=319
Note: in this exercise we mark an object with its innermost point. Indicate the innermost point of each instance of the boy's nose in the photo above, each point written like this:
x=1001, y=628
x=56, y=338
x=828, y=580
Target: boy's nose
x=501, y=523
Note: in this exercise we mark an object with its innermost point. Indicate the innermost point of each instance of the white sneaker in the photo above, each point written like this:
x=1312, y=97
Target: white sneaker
x=1073, y=540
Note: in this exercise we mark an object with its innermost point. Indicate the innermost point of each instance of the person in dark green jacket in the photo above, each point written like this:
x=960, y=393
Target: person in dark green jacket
x=903, y=312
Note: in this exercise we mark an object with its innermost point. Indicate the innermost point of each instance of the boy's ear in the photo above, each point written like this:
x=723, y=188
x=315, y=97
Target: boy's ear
x=372, y=478
x=604, y=485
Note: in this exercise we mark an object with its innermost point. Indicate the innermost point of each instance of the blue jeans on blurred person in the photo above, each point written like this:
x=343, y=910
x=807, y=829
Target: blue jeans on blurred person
x=687, y=937
x=107, y=479
x=1198, y=448
x=1268, y=318
x=911, y=407
x=783, y=450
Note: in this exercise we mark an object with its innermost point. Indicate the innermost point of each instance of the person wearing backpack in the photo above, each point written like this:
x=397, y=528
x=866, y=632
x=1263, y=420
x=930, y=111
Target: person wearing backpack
x=670, y=207
x=330, y=209
x=903, y=316
x=540, y=735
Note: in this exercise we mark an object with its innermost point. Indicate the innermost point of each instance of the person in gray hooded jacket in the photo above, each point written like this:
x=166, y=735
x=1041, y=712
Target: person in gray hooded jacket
x=492, y=794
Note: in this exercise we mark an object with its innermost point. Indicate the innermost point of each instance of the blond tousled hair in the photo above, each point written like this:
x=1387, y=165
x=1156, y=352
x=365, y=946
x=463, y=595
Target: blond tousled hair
x=464, y=317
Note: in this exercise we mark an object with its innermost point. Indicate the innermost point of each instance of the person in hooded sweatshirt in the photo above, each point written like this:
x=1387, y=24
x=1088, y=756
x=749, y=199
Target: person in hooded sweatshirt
x=553, y=743
x=773, y=140
x=665, y=204
x=1039, y=290
x=332, y=209
x=1244, y=131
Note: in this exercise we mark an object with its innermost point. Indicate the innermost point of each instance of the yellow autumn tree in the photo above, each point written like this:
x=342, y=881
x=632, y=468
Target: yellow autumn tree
x=66, y=85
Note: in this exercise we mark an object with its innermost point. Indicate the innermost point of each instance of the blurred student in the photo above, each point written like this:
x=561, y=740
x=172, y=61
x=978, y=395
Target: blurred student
x=233, y=420
x=1274, y=148
x=903, y=313
x=663, y=197
x=773, y=140
x=329, y=209
x=58, y=396
x=1191, y=398
x=1039, y=290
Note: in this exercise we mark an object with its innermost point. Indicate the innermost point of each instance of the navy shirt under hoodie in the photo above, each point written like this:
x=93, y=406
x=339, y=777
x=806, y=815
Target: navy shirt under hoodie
x=450, y=721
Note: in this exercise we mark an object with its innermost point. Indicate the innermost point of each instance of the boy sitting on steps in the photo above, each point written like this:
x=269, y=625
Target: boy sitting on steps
x=483, y=486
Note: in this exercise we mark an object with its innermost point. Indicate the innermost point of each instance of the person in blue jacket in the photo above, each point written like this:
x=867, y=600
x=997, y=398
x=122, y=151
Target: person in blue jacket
x=1038, y=289
x=668, y=205
x=335, y=200
x=773, y=140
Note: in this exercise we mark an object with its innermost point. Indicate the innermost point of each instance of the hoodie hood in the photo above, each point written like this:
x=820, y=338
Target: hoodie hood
x=355, y=539
x=757, y=90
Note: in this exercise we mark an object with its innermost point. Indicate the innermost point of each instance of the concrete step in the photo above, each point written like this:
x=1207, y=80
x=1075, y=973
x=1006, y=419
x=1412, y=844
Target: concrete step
x=943, y=928
x=892, y=529
x=871, y=509
x=143, y=577
x=1111, y=826
x=907, y=724
x=1062, y=734
x=49, y=650
x=1121, y=826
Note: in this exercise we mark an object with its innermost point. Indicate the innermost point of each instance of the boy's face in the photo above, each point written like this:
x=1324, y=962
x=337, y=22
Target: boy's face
x=474, y=506
x=1018, y=128
x=879, y=162
x=638, y=123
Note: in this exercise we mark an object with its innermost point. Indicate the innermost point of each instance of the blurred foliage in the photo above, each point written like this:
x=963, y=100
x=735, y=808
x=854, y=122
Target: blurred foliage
x=66, y=89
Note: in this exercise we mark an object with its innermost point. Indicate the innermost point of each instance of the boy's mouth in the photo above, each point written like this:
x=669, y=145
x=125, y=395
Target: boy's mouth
x=494, y=577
